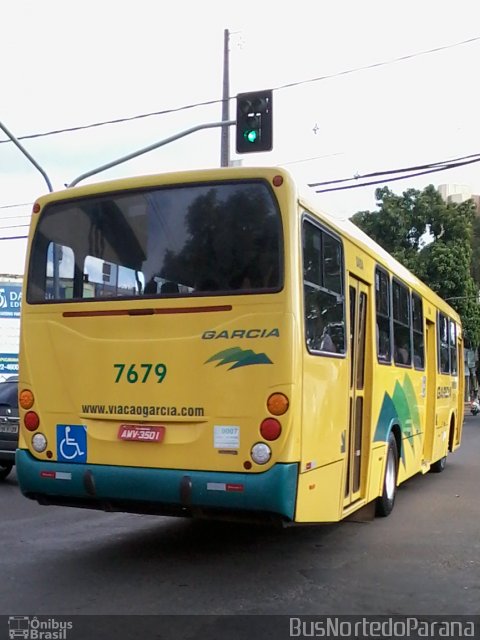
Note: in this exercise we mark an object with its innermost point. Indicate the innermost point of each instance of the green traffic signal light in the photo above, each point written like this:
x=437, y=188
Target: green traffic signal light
x=251, y=136
x=252, y=127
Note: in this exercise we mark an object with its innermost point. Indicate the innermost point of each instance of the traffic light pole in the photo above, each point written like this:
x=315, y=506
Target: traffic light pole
x=156, y=145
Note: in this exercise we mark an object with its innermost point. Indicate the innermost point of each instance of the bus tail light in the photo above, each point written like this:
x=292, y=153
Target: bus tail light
x=270, y=429
x=26, y=399
x=277, y=404
x=31, y=420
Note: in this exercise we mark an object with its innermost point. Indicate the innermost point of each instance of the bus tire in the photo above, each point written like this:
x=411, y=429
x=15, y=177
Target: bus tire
x=384, y=503
x=439, y=465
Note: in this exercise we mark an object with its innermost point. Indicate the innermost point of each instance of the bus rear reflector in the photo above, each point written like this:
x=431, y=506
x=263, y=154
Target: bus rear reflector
x=270, y=429
x=31, y=420
x=56, y=475
x=231, y=486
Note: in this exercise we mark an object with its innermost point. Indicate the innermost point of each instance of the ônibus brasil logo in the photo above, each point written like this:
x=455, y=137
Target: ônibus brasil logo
x=33, y=628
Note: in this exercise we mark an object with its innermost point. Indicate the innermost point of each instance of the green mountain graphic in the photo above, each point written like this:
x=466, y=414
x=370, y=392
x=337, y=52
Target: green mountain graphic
x=238, y=357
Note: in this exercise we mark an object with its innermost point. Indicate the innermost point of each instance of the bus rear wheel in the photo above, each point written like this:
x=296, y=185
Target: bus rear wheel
x=439, y=465
x=385, y=502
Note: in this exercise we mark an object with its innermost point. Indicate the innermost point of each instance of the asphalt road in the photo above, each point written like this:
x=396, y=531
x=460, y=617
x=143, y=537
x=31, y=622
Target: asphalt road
x=423, y=559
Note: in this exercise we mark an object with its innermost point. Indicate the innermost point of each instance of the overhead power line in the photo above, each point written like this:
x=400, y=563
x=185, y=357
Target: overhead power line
x=289, y=85
x=19, y=204
x=2, y=218
x=390, y=171
x=329, y=155
x=116, y=121
x=407, y=172
x=384, y=63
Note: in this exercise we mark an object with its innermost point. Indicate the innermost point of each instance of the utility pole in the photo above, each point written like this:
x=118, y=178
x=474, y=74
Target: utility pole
x=225, y=138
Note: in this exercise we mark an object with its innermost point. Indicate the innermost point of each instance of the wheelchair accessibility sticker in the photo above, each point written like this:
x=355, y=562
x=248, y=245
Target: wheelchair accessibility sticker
x=71, y=443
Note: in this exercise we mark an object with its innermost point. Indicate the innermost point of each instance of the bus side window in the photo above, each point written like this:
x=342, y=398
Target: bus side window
x=321, y=335
x=383, y=315
x=443, y=344
x=418, y=339
x=324, y=300
x=383, y=344
x=401, y=324
x=401, y=354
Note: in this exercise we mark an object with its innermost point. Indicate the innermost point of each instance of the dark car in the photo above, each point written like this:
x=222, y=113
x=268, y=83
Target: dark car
x=8, y=424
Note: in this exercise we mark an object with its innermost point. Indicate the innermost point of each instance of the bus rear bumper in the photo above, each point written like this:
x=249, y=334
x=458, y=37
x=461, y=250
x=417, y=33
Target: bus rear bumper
x=160, y=491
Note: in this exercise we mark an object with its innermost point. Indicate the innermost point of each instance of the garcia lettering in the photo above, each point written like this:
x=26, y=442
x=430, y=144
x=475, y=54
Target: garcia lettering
x=235, y=334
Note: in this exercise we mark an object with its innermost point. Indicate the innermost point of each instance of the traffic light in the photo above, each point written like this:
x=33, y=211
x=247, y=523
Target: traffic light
x=254, y=121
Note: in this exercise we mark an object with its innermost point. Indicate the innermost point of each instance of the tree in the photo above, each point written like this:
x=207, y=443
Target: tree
x=476, y=251
x=433, y=239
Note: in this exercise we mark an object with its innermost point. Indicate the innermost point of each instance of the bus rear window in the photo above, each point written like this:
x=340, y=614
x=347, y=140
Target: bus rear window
x=184, y=240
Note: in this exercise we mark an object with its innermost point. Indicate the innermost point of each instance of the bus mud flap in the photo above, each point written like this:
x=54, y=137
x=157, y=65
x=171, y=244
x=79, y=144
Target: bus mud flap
x=89, y=483
x=186, y=491
x=364, y=514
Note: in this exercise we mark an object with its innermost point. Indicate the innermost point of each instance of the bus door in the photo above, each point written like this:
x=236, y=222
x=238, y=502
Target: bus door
x=355, y=441
x=431, y=390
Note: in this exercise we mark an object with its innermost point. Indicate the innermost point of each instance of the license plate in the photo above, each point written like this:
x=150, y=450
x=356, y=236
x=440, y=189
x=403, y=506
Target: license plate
x=8, y=428
x=141, y=433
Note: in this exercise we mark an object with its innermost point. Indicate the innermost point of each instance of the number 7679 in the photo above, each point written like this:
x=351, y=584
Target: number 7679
x=140, y=372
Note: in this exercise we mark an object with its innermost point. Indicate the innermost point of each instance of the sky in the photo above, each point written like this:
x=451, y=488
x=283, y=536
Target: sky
x=366, y=96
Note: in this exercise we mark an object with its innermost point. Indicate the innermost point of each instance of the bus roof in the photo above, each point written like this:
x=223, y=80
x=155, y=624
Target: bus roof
x=176, y=177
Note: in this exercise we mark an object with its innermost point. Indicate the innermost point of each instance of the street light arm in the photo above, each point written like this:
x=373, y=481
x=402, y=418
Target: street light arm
x=25, y=153
x=156, y=145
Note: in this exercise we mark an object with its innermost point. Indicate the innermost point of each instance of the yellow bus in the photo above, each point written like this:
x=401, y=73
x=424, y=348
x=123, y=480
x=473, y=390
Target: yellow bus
x=208, y=344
